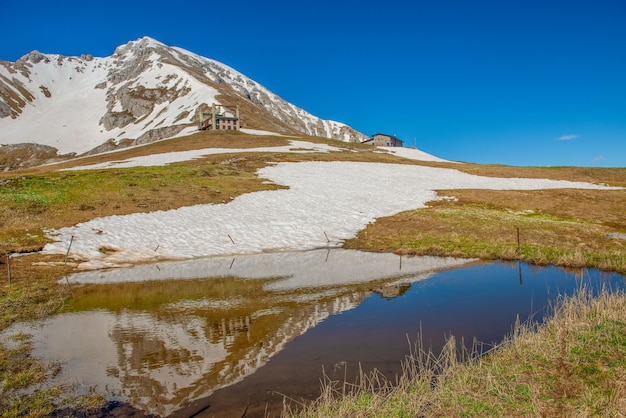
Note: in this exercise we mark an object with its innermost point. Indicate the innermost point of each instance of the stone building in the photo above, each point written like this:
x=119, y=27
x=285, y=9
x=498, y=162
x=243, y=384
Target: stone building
x=384, y=140
x=220, y=118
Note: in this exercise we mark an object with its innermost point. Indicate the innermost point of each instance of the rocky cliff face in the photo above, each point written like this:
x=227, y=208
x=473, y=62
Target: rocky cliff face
x=144, y=92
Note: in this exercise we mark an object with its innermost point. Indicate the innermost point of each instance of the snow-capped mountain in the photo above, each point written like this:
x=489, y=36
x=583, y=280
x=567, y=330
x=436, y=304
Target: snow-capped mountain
x=145, y=91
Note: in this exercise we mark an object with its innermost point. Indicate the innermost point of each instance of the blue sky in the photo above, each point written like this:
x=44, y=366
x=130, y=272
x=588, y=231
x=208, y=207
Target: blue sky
x=509, y=82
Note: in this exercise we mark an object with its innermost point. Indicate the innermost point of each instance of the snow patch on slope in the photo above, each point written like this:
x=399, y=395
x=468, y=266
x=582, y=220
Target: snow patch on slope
x=413, y=154
x=326, y=203
x=65, y=104
x=178, y=156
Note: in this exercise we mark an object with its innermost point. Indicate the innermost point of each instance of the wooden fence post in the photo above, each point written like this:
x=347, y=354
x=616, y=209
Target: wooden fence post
x=68, y=249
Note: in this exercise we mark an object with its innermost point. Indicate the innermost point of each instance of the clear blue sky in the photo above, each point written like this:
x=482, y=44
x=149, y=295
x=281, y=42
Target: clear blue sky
x=526, y=82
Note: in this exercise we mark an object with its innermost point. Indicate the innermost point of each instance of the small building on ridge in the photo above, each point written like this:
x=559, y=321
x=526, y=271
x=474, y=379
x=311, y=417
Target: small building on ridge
x=384, y=140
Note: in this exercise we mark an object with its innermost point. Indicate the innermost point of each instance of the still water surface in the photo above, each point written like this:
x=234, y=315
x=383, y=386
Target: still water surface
x=224, y=335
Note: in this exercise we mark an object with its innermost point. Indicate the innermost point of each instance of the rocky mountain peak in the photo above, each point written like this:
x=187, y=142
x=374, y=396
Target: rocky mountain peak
x=33, y=57
x=138, y=47
x=143, y=92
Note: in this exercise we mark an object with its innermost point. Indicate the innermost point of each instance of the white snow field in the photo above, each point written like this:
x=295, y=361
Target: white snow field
x=413, y=154
x=326, y=203
x=178, y=156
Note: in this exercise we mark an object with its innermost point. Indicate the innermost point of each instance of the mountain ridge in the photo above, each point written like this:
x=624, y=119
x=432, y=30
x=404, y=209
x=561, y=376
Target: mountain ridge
x=144, y=91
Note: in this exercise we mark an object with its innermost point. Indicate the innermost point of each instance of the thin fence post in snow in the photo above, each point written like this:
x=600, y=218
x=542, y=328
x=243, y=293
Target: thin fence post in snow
x=68, y=249
x=231, y=239
x=327, y=240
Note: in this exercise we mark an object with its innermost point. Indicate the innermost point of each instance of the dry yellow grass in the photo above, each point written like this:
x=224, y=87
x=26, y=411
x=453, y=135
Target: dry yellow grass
x=562, y=227
x=572, y=366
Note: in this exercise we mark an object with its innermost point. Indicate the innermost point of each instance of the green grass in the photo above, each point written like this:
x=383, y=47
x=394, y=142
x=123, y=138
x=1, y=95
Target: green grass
x=24, y=391
x=18, y=369
x=29, y=300
x=95, y=186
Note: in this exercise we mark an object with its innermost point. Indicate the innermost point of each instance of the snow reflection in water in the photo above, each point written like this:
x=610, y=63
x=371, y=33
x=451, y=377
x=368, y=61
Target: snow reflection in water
x=159, y=336
x=224, y=330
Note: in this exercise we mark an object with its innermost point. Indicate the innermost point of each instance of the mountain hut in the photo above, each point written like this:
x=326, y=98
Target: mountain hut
x=384, y=140
x=220, y=118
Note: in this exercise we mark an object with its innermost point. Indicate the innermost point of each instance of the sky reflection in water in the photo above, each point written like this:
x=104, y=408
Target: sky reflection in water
x=161, y=344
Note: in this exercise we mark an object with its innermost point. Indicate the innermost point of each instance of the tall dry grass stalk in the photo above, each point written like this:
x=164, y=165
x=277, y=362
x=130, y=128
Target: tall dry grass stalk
x=574, y=364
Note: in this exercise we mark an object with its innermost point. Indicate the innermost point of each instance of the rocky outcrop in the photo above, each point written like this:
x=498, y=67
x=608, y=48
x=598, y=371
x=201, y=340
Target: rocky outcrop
x=20, y=156
x=13, y=97
x=136, y=102
x=159, y=134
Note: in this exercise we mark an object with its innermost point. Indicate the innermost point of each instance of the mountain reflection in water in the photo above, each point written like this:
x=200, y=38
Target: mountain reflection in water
x=237, y=333
x=160, y=336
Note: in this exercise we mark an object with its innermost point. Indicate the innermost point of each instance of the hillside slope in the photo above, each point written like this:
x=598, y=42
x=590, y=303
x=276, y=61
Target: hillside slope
x=144, y=92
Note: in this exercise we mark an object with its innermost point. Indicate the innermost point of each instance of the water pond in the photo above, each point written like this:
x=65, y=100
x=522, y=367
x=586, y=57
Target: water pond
x=232, y=335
